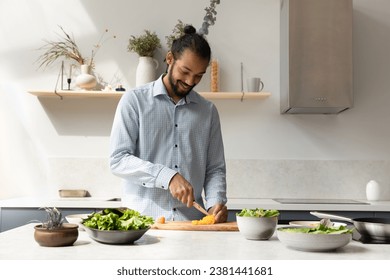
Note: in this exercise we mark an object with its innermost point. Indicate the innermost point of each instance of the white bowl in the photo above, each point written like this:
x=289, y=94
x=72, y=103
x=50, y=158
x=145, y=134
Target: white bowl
x=257, y=228
x=313, y=242
x=77, y=219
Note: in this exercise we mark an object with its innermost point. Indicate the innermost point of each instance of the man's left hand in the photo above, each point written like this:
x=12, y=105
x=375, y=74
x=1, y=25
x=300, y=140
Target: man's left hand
x=220, y=212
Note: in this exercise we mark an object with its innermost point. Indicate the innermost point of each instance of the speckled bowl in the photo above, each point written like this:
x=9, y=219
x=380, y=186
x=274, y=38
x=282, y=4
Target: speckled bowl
x=313, y=242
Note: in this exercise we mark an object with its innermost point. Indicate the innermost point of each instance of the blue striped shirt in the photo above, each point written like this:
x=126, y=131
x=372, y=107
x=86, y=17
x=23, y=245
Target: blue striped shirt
x=153, y=138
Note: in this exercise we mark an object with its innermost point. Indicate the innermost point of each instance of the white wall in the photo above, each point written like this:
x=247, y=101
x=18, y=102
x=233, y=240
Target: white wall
x=35, y=132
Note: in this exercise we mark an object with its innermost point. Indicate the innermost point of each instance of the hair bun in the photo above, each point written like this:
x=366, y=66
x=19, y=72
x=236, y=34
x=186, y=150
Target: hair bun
x=189, y=29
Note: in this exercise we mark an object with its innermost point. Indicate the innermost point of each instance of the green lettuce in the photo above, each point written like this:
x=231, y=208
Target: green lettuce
x=258, y=212
x=320, y=229
x=118, y=219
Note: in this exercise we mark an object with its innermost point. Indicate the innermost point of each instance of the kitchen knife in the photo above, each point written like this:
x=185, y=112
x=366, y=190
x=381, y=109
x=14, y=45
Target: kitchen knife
x=200, y=208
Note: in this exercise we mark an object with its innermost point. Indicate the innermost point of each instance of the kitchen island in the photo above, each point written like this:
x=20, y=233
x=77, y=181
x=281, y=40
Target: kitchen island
x=19, y=244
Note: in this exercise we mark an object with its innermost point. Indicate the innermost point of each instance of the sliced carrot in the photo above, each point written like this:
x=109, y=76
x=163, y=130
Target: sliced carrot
x=207, y=220
x=161, y=220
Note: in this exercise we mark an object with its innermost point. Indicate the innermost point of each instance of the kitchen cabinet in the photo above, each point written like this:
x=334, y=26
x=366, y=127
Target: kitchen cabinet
x=287, y=215
x=14, y=217
x=118, y=94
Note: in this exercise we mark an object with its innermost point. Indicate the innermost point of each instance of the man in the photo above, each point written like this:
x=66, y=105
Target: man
x=166, y=140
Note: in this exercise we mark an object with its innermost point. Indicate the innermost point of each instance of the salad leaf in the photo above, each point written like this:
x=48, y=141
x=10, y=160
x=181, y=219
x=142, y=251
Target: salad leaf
x=320, y=229
x=118, y=219
x=258, y=212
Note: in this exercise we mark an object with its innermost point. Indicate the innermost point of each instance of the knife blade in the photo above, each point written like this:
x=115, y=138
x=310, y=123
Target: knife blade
x=200, y=208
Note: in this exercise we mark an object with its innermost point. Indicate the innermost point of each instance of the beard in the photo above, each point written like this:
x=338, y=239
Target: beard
x=175, y=85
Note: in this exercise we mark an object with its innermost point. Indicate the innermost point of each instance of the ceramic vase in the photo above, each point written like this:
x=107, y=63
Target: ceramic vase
x=86, y=80
x=377, y=191
x=146, y=70
x=373, y=190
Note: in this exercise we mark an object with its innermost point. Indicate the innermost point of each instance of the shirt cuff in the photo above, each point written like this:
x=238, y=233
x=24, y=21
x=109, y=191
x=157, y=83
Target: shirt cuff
x=211, y=202
x=164, y=177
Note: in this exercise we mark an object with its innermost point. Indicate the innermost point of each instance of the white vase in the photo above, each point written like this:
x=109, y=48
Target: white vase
x=146, y=70
x=85, y=80
x=373, y=190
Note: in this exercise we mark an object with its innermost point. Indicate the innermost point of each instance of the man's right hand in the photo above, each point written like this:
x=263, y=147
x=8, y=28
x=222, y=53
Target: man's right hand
x=181, y=189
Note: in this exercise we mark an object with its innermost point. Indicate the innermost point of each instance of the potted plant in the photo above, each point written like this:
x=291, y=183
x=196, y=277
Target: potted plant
x=177, y=32
x=54, y=232
x=145, y=46
x=66, y=47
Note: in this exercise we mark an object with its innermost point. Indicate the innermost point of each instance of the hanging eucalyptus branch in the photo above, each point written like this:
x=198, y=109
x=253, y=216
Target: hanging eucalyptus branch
x=209, y=18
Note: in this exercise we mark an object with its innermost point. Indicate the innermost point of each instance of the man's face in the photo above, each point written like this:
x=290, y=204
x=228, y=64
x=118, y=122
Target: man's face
x=184, y=73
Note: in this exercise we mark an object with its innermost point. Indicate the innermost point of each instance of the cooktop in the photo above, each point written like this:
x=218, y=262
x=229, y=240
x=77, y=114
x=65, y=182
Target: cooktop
x=317, y=201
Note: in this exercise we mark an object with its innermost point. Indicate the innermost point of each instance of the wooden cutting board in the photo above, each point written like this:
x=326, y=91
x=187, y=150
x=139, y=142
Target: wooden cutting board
x=187, y=225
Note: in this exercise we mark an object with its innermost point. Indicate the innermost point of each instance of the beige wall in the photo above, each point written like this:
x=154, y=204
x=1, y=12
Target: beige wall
x=35, y=133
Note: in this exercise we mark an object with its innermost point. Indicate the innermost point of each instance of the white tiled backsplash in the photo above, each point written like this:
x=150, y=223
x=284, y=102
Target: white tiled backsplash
x=246, y=178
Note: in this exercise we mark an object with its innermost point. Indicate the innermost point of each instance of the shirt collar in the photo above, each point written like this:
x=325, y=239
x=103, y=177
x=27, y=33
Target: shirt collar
x=159, y=89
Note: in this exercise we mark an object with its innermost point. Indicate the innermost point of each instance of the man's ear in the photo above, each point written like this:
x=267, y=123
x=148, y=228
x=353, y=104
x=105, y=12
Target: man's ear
x=169, y=58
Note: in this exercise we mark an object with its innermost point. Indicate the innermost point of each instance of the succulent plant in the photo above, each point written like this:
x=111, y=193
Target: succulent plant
x=54, y=218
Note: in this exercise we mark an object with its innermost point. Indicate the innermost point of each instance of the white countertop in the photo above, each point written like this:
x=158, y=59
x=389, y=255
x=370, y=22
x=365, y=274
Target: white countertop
x=19, y=244
x=233, y=204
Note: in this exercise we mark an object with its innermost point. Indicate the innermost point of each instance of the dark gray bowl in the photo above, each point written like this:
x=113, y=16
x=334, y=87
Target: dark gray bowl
x=115, y=236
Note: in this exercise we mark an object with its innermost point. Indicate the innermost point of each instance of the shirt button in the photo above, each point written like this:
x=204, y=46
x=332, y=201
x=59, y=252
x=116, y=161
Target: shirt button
x=175, y=125
x=176, y=146
x=176, y=166
x=163, y=187
x=174, y=209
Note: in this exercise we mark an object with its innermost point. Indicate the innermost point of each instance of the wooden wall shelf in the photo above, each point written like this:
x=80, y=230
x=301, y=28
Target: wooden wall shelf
x=118, y=94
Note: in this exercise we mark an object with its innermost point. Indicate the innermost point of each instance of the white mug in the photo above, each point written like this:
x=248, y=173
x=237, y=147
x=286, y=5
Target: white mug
x=254, y=84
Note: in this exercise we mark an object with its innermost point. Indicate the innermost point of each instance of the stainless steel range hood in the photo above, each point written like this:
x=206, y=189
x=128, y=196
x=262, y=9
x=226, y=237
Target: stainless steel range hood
x=316, y=56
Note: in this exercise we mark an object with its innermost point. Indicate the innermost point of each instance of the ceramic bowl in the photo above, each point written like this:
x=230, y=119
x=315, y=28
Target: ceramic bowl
x=66, y=235
x=313, y=242
x=115, y=236
x=257, y=228
x=312, y=224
